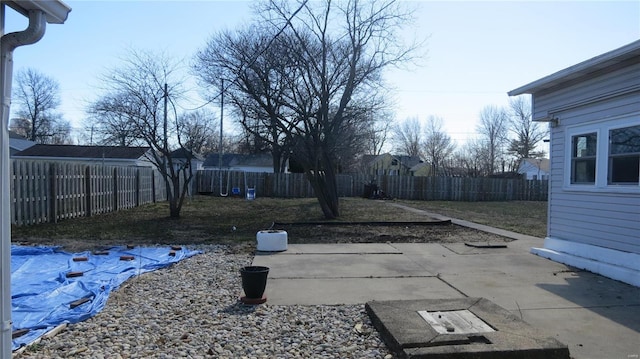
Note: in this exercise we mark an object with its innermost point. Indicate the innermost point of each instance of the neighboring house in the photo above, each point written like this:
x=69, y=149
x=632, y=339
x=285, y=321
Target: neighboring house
x=180, y=156
x=534, y=168
x=390, y=165
x=106, y=155
x=237, y=162
x=421, y=169
x=594, y=192
x=18, y=143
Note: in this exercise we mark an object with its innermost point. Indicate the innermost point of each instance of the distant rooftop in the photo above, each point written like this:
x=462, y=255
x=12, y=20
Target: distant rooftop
x=72, y=151
x=239, y=160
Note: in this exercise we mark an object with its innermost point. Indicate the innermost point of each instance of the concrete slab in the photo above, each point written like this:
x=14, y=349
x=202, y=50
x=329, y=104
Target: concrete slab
x=424, y=249
x=346, y=248
x=408, y=334
x=340, y=266
x=478, y=248
x=519, y=290
x=597, y=317
x=497, y=261
x=596, y=332
x=355, y=290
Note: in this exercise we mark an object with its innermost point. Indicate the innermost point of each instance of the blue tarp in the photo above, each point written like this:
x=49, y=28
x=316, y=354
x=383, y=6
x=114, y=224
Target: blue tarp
x=42, y=294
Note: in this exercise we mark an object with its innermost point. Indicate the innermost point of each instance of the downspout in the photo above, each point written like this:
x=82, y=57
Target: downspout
x=8, y=43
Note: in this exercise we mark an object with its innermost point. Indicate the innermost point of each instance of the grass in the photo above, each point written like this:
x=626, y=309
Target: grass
x=206, y=220
x=526, y=217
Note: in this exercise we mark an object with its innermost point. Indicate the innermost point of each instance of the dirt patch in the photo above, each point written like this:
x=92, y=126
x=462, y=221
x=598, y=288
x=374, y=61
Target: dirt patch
x=447, y=233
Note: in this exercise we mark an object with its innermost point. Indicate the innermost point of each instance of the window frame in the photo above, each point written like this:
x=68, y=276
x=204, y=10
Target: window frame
x=602, y=130
x=611, y=157
x=575, y=158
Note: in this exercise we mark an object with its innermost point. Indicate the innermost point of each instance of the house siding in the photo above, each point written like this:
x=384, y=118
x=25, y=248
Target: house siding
x=605, y=86
x=532, y=172
x=602, y=217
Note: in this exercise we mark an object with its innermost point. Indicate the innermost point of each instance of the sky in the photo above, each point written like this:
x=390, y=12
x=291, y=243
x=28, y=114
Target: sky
x=474, y=51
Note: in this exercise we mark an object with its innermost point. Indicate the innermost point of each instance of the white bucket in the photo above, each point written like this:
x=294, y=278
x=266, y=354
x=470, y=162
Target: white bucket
x=272, y=241
x=251, y=194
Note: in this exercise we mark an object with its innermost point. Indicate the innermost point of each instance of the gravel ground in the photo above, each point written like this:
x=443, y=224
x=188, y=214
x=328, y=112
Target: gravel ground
x=191, y=310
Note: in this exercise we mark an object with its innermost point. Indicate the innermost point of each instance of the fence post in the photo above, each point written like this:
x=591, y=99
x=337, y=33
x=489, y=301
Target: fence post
x=87, y=174
x=153, y=186
x=53, y=194
x=115, y=189
x=137, y=187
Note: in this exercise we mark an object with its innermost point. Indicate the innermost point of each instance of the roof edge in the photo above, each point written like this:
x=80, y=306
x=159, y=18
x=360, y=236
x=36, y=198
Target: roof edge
x=56, y=11
x=577, y=69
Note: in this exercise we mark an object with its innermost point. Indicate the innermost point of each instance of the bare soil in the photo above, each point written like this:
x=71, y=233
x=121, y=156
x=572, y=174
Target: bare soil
x=441, y=233
x=213, y=220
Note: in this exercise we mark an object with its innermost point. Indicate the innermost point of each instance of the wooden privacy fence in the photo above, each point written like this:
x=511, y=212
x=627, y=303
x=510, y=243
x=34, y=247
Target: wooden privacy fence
x=235, y=183
x=464, y=188
x=291, y=185
x=50, y=191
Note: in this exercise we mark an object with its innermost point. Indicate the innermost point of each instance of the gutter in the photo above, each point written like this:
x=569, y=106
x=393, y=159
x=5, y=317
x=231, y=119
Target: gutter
x=55, y=11
x=8, y=43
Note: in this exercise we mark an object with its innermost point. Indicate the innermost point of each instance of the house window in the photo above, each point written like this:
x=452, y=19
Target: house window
x=394, y=162
x=583, y=158
x=624, y=155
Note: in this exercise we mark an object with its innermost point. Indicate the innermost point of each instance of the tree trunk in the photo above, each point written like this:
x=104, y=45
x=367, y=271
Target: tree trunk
x=174, y=198
x=174, y=209
x=325, y=189
x=276, y=154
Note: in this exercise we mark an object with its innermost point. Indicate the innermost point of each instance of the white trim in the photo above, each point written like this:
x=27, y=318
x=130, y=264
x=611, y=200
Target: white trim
x=601, y=128
x=618, y=265
x=56, y=11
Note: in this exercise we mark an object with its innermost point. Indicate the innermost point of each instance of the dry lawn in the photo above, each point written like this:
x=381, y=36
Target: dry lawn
x=210, y=220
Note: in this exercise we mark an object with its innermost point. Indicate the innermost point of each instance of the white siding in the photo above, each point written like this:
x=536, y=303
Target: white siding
x=603, y=217
x=587, y=91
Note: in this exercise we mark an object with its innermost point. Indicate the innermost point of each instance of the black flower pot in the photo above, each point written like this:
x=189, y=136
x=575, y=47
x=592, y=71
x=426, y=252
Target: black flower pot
x=254, y=282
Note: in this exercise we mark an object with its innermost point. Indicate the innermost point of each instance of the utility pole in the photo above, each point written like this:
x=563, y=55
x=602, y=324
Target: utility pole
x=221, y=124
x=165, y=122
x=222, y=194
x=165, y=140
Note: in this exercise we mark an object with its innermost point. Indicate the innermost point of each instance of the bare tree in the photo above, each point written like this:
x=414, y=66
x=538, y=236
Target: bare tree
x=198, y=131
x=37, y=98
x=407, y=137
x=437, y=145
x=493, y=129
x=249, y=68
x=109, y=127
x=341, y=50
x=378, y=134
x=528, y=134
x=147, y=88
x=327, y=62
x=469, y=159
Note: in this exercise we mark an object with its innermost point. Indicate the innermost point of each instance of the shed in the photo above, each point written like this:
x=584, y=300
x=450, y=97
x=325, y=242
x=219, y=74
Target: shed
x=593, y=110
